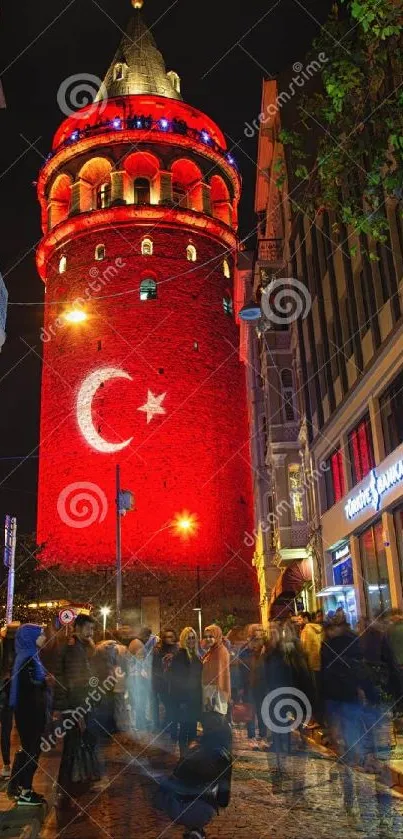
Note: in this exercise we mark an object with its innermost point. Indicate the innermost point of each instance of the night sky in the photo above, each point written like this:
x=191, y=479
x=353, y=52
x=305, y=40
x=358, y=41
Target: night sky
x=222, y=50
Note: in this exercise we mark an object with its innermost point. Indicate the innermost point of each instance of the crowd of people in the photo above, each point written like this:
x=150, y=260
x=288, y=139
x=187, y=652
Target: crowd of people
x=189, y=693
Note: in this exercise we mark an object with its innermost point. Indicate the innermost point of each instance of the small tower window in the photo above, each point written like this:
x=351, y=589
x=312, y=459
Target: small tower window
x=175, y=80
x=226, y=269
x=191, y=253
x=103, y=196
x=148, y=290
x=62, y=264
x=118, y=72
x=100, y=252
x=227, y=304
x=147, y=247
x=142, y=191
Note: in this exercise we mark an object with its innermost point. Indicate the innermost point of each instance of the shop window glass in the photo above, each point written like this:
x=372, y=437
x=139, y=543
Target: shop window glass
x=391, y=409
x=360, y=450
x=398, y=517
x=374, y=568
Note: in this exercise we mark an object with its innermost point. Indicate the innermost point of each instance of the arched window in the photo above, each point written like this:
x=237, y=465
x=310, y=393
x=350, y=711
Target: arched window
x=148, y=290
x=191, y=253
x=142, y=191
x=147, y=247
x=100, y=252
x=296, y=488
x=179, y=195
x=103, y=196
x=226, y=269
x=62, y=264
x=118, y=72
x=288, y=395
x=227, y=305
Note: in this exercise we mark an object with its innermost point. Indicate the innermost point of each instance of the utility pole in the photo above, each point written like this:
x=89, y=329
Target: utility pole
x=124, y=503
x=10, y=541
x=118, y=552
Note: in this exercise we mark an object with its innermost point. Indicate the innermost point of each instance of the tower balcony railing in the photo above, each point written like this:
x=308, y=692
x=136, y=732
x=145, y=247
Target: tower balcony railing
x=148, y=126
x=270, y=251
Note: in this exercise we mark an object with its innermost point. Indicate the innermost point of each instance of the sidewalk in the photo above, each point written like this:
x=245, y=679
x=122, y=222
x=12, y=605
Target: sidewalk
x=396, y=762
x=26, y=822
x=124, y=807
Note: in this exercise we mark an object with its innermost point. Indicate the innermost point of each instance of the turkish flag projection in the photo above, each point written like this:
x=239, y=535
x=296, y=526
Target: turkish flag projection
x=154, y=385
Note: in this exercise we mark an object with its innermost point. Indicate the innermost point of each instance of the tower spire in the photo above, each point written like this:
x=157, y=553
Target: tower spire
x=138, y=66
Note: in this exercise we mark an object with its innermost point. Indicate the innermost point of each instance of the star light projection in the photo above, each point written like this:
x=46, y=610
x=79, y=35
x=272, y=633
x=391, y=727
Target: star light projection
x=85, y=397
x=153, y=406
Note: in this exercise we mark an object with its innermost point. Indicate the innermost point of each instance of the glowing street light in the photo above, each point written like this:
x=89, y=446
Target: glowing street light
x=75, y=316
x=185, y=524
x=105, y=611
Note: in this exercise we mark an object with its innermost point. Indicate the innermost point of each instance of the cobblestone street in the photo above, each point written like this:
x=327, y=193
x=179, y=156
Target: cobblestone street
x=307, y=802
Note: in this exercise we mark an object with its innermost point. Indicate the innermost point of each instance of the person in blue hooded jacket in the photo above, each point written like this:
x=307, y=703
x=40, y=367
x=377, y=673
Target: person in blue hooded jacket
x=28, y=698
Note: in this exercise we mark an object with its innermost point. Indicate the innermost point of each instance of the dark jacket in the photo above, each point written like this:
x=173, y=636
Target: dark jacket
x=73, y=669
x=186, y=678
x=251, y=673
x=32, y=703
x=343, y=670
x=163, y=656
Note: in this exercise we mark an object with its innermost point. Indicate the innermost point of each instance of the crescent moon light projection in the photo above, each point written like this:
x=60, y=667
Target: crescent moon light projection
x=85, y=398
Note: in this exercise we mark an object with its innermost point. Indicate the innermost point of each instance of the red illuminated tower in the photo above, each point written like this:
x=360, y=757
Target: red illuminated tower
x=139, y=210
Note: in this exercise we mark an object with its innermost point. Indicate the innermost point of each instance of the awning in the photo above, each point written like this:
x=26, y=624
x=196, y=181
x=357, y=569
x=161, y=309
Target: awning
x=288, y=586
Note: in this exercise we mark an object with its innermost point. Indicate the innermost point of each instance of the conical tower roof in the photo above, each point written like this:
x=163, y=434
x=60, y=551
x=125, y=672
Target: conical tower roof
x=142, y=67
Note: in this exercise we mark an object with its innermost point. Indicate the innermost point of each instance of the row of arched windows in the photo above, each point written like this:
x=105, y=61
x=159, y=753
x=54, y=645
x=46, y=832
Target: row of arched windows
x=142, y=180
x=147, y=249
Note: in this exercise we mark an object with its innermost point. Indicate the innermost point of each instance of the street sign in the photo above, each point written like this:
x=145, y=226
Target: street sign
x=66, y=616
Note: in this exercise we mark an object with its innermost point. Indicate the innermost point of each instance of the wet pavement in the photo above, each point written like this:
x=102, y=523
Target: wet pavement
x=308, y=799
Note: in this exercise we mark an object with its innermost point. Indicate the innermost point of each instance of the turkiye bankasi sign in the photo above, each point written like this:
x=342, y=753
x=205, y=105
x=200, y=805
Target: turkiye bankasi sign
x=371, y=494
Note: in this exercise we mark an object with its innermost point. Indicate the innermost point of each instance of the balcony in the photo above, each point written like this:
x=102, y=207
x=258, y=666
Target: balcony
x=270, y=252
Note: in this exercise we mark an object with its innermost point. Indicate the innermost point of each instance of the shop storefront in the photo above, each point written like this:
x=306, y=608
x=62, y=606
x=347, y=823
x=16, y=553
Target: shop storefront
x=363, y=543
x=341, y=593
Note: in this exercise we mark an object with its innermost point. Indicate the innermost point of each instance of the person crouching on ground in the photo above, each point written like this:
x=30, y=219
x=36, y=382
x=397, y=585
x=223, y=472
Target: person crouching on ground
x=29, y=698
x=216, y=681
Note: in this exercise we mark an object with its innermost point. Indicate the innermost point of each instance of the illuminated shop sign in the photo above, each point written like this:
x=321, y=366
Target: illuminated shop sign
x=372, y=492
x=341, y=553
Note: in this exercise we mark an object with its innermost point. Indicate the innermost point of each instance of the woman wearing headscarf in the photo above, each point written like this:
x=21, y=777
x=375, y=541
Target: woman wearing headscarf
x=186, y=690
x=28, y=697
x=216, y=680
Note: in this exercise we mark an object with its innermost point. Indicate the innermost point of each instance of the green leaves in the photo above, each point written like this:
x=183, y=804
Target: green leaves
x=357, y=117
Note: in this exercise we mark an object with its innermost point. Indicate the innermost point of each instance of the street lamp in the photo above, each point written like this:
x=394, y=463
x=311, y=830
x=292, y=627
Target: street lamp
x=198, y=609
x=75, y=316
x=105, y=611
x=250, y=311
x=185, y=524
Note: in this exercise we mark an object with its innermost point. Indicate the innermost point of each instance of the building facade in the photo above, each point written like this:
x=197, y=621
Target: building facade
x=281, y=538
x=348, y=361
x=139, y=205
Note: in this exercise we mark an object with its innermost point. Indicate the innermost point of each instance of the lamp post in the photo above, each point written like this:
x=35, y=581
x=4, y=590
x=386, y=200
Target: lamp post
x=105, y=611
x=124, y=504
